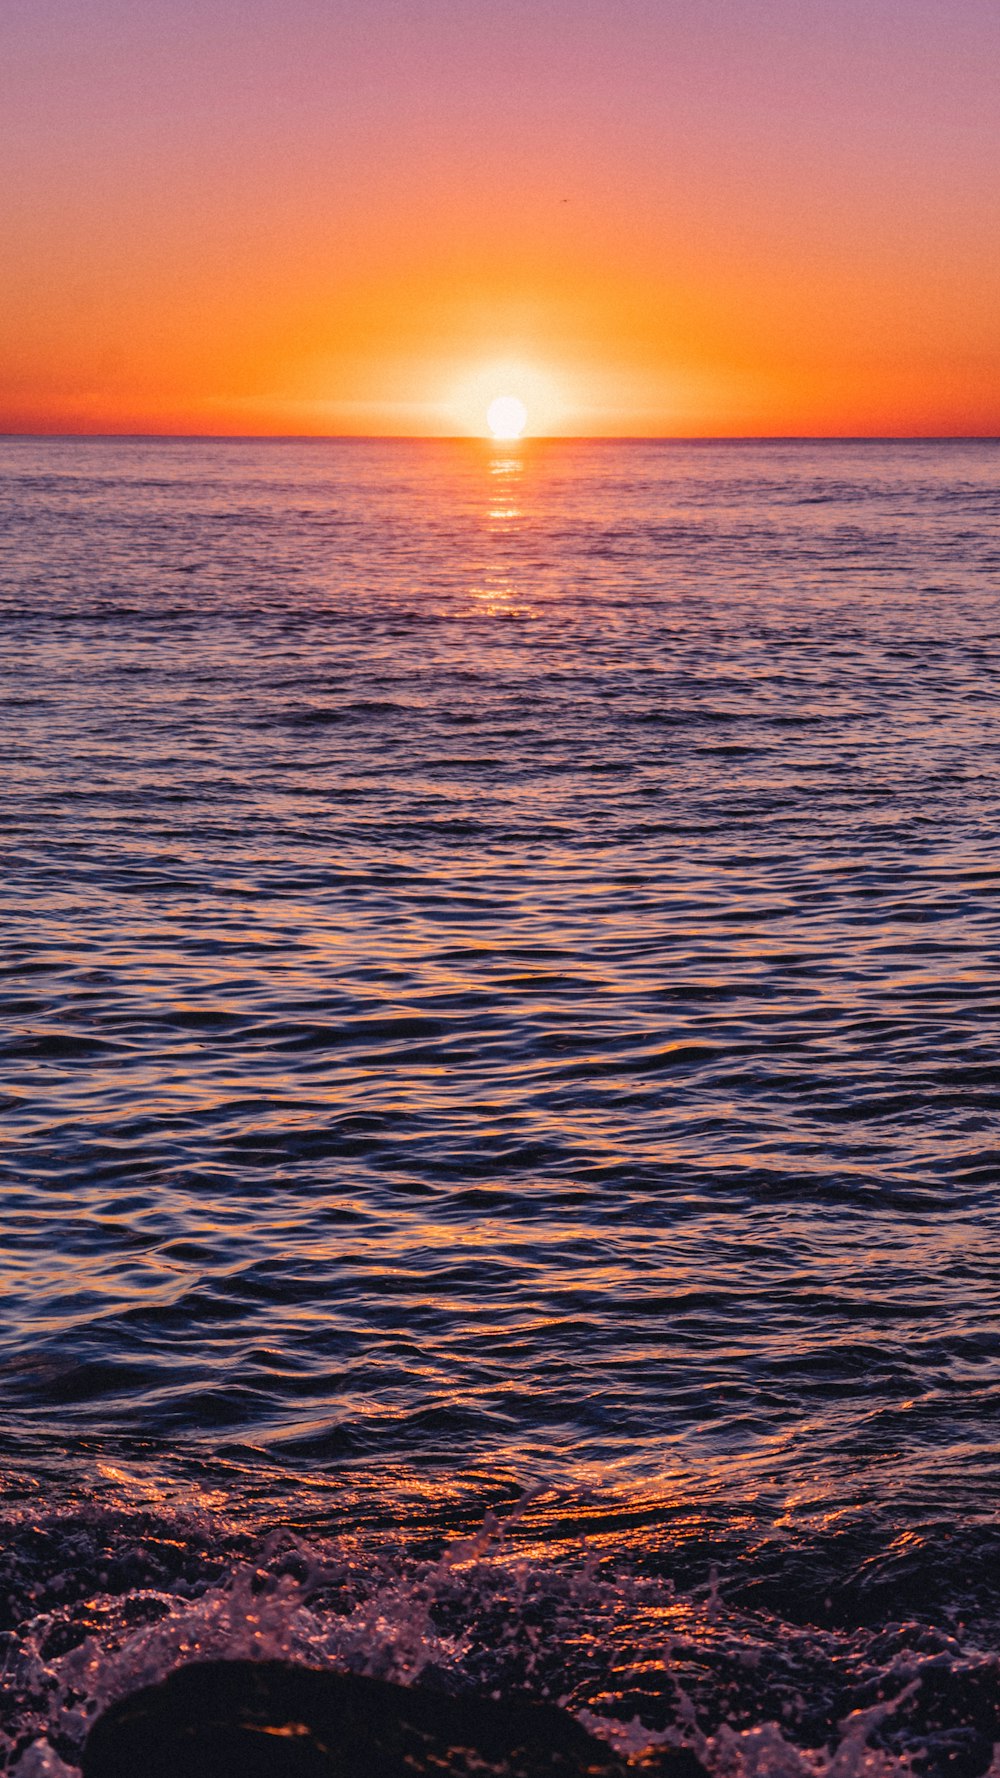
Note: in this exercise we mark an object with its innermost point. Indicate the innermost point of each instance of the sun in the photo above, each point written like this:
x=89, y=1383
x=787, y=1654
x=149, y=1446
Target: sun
x=506, y=417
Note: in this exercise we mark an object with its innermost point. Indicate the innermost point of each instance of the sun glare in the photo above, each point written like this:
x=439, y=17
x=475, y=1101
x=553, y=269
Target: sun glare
x=504, y=399
x=506, y=417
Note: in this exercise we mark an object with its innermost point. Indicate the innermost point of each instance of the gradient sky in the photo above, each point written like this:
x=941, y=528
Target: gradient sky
x=647, y=216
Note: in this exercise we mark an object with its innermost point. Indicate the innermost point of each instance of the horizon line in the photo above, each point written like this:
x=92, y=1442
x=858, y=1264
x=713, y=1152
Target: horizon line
x=609, y=438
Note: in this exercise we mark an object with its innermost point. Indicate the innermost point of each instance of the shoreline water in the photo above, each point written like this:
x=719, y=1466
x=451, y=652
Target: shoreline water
x=647, y=1633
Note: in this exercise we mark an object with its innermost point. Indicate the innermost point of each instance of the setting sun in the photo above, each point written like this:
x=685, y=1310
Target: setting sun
x=505, y=396
x=506, y=417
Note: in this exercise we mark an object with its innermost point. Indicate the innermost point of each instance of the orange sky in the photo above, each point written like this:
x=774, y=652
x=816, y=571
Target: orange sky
x=647, y=216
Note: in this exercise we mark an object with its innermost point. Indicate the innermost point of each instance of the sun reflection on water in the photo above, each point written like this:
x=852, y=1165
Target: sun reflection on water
x=497, y=592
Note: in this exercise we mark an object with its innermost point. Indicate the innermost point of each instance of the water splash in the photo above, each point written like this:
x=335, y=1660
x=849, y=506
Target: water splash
x=642, y=1662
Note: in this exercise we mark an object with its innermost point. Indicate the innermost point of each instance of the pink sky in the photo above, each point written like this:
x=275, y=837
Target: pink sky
x=722, y=216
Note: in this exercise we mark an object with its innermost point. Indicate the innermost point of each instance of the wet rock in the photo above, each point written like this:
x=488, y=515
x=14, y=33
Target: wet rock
x=268, y=1719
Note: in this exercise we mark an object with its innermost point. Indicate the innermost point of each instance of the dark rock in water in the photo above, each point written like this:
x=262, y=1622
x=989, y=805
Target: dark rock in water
x=268, y=1719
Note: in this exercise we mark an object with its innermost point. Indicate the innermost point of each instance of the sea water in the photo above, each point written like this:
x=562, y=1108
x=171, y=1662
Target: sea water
x=500, y=1016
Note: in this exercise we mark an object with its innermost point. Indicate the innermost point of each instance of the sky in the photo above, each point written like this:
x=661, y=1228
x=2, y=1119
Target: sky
x=642, y=217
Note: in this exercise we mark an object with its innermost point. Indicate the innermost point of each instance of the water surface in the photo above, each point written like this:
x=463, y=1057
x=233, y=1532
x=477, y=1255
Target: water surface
x=499, y=991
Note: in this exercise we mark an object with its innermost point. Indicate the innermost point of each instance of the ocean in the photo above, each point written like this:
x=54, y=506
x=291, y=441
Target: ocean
x=500, y=1010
